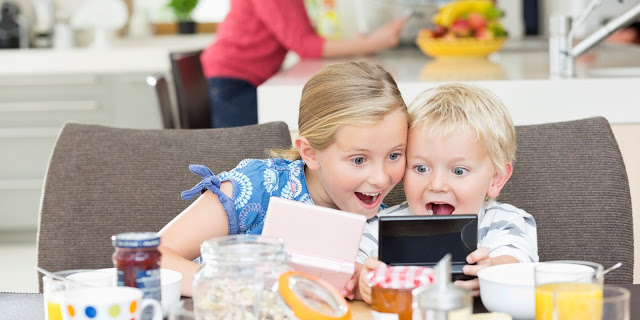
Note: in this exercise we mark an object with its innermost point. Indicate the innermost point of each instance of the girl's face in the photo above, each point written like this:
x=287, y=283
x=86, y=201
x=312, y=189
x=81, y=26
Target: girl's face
x=361, y=166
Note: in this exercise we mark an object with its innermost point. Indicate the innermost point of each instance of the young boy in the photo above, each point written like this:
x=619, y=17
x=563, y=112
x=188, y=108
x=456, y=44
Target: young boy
x=460, y=151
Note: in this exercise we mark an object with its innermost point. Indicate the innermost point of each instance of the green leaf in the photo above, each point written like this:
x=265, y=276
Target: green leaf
x=182, y=8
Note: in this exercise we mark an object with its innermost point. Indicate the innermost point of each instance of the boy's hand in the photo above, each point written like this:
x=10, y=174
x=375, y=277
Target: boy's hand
x=349, y=289
x=481, y=257
x=363, y=285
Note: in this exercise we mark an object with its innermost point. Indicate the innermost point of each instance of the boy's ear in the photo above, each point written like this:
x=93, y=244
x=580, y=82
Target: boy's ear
x=499, y=180
x=307, y=153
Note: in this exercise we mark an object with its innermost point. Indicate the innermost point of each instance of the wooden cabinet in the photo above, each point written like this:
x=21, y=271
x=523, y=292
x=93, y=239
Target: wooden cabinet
x=33, y=109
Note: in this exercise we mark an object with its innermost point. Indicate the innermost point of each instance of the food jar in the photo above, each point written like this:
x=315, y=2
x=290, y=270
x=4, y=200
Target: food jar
x=247, y=277
x=391, y=290
x=137, y=261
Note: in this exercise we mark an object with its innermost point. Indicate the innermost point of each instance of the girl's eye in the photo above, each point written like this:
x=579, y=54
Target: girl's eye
x=459, y=171
x=357, y=160
x=395, y=156
x=421, y=168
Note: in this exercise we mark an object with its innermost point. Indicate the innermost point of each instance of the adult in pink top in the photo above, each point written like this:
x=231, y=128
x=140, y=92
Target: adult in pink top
x=251, y=44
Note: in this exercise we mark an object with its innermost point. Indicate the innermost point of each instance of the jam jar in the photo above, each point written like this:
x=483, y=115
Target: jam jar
x=391, y=290
x=137, y=262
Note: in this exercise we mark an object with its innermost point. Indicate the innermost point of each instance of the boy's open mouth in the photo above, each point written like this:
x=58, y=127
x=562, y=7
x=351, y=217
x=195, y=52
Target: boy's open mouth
x=439, y=209
x=368, y=198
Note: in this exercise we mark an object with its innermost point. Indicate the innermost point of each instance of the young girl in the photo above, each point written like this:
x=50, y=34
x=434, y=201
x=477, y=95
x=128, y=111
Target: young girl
x=349, y=154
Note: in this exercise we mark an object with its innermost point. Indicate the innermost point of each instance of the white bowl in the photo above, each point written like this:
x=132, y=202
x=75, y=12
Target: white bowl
x=509, y=288
x=170, y=290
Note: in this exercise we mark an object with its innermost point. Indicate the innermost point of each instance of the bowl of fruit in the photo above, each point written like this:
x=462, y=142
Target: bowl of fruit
x=464, y=28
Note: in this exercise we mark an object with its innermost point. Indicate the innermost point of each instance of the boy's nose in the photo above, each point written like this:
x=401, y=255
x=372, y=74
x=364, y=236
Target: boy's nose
x=438, y=183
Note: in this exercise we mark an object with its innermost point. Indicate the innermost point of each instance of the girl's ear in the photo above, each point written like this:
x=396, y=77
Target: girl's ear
x=499, y=180
x=307, y=153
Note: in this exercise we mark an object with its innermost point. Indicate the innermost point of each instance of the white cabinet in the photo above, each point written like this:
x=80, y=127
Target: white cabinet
x=33, y=109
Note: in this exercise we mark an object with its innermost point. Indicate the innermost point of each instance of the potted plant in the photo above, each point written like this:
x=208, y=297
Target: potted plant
x=182, y=10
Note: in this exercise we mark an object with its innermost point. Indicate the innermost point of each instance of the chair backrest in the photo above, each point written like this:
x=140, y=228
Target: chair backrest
x=103, y=181
x=571, y=177
x=159, y=84
x=192, y=92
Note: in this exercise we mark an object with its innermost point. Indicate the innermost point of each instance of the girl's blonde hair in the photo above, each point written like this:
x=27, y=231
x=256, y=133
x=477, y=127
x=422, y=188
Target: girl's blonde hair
x=444, y=109
x=354, y=93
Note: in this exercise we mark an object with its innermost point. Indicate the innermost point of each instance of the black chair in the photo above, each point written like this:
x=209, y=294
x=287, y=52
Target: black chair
x=191, y=90
x=159, y=84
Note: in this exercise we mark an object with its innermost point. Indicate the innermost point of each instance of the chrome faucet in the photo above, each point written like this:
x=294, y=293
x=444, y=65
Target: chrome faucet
x=562, y=51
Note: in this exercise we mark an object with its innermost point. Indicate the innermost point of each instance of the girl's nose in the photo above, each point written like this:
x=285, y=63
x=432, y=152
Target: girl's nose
x=380, y=177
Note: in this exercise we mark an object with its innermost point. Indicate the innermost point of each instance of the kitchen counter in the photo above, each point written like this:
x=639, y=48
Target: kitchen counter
x=518, y=74
x=126, y=55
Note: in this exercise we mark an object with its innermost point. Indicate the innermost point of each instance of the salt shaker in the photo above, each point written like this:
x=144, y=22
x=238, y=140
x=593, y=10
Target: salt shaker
x=442, y=300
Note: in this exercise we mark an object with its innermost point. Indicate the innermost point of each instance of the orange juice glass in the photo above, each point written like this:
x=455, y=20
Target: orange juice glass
x=567, y=290
x=53, y=289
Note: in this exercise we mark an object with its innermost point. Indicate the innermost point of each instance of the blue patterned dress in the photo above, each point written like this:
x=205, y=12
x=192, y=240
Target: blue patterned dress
x=254, y=182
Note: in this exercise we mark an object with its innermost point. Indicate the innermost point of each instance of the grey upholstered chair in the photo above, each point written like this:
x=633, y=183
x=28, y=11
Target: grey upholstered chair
x=102, y=181
x=571, y=177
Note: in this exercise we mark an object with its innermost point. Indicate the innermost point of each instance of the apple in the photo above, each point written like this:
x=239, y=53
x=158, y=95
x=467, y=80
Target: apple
x=477, y=21
x=484, y=33
x=461, y=28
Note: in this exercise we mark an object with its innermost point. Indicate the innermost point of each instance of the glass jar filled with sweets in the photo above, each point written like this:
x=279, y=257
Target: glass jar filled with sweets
x=247, y=277
x=391, y=290
x=137, y=262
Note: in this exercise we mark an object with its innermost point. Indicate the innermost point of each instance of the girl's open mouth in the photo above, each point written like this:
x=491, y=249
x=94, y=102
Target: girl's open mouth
x=368, y=198
x=439, y=209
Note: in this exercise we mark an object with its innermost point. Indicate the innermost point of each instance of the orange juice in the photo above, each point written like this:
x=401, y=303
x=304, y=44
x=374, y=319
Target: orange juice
x=572, y=301
x=54, y=301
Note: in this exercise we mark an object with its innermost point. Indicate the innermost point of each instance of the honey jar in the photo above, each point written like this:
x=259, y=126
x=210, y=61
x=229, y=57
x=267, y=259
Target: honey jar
x=391, y=290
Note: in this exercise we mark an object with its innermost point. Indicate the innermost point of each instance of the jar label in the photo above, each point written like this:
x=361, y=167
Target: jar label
x=146, y=280
x=375, y=315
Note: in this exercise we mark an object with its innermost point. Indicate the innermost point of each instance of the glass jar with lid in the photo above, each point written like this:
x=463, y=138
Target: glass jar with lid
x=247, y=277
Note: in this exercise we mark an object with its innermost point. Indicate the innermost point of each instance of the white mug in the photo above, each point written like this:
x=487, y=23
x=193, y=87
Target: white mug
x=115, y=303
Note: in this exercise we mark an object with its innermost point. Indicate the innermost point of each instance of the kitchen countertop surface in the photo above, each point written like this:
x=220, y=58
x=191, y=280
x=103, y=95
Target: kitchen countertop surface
x=518, y=74
x=126, y=55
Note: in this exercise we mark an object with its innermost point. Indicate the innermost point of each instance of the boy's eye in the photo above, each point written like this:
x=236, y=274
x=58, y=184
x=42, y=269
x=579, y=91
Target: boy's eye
x=421, y=168
x=357, y=160
x=395, y=156
x=459, y=171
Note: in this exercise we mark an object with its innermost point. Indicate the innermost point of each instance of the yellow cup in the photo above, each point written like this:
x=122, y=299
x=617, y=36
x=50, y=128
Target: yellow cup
x=568, y=290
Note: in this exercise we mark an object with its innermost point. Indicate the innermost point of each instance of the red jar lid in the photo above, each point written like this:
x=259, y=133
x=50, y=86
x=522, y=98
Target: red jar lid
x=400, y=277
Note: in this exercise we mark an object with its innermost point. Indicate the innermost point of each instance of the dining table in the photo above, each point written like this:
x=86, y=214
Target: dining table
x=28, y=306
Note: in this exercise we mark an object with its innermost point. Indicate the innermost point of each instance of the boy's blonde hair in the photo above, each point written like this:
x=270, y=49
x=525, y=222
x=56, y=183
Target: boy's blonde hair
x=354, y=93
x=444, y=109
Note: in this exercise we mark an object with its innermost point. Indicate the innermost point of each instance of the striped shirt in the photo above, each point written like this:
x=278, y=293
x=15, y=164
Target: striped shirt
x=502, y=228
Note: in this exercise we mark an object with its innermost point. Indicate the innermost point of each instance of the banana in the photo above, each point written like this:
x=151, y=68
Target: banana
x=455, y=9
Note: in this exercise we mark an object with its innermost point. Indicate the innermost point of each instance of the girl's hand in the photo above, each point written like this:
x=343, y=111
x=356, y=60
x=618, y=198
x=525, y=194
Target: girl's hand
x=350, y=288
x=363, y=286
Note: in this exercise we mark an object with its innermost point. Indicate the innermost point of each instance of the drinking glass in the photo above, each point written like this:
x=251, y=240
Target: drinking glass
x=53, y=289
x=182, y=310
x=568, y=290
x=615, y=303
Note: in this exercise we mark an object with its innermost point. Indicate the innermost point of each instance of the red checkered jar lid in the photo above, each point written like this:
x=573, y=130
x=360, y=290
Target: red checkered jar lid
x=400, y=277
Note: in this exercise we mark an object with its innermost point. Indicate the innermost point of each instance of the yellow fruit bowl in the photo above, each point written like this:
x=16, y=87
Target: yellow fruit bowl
x=459, y=47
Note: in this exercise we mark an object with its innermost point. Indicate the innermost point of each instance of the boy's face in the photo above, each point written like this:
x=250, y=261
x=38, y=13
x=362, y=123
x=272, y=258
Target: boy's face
x=449, y=175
